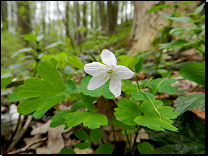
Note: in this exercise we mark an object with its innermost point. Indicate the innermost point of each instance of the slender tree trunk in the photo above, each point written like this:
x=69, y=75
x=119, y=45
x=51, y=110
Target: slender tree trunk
x=112, y=16
x=91, y=22
x=4, y=15
x=126, y=11
x=96, y=14
x=101, y=15
x=77, y=21
x=84, y=18
x=122, y=18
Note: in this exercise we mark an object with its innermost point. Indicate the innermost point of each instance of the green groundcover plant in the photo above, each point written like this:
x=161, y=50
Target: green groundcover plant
x=138, y=109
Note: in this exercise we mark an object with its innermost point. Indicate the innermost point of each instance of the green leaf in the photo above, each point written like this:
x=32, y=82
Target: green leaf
x=29, y=37
x=39, y=38
x=54, y=45
x=158, y=7
x=81, y=135
x=95, y=135
x=128, y=86
x=190, y=138
x=174, y=44
x=127, y=111
x=151, y=118
x=58, y=119
x=76, y=62
x=146, y=148
x=104, y=149
x=88, y=102
x=77, y=105
x=66, y=151
x=38, y=115
x=124, y=60
x=6, y=81
x=143, y=96
x=75, y=118
x=70, y=86
x=194, y=72
x=190, y=102
x=82, y=145
x=199, y=9
x=180, y=19
x=38, y=91
x=24, y=50
x=188, y=2
x=13, y=97
x=163, y=85
x=138, y=66
x=95, y=120
x=103, y=90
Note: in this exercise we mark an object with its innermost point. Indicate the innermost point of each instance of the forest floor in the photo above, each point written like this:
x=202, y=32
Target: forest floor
x=41, y=139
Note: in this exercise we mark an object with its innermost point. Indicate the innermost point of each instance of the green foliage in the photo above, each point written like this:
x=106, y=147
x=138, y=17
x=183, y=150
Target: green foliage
x=138, y=66
x=190, y=138
x=76, y=62
x=13, y=97
x=82, y=145
x=151, y=118
x=66, y=151
x=95, y=135
x=5, y=81
x=104, y=149
x=190, y=102
x=81, y=135
x=162, y=85
x=127, y=111
x=58, y=119
x=158, y=7
x=143, y=96
x=128, y=87
x=103, y=90
x=93, y=121
x=39, y=91
x=54, y=45
x=88, y=102
x=70, y=86
x=194, y=72
x=24, y=50
x=146, y=148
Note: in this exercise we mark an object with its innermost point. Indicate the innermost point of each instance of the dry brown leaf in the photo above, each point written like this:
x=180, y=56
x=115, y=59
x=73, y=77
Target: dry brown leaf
x=142, y=135
x=84, y=151
x=199, y=113
x=32, y=140
x=42, y=129
x=43, y=150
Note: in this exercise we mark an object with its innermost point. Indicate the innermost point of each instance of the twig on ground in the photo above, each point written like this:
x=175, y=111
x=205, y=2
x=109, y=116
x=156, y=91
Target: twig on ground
x=28, y=146
x=19, y=135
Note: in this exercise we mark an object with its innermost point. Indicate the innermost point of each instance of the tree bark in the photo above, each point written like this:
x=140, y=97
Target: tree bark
x=4, y=15
x=91, y=22
x=146, y=25
x=23, y=21
x=112, y=16
x=84, y=18
x=77, y=21
x=101, y=15
x=96, y=14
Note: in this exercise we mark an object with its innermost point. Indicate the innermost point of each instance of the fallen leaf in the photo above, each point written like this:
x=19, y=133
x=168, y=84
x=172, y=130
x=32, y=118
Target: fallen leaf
x=85, y=151
x=32, y=140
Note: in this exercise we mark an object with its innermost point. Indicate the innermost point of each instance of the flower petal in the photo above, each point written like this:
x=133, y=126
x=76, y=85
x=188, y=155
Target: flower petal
x=96, y=82
x=124, y=72
x=108, y=58
x=93, y=68
x=115, y=86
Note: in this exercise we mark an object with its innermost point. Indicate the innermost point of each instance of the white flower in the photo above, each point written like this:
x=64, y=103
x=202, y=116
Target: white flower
x=101, y=73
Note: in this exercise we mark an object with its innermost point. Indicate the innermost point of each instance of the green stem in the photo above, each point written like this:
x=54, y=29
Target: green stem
x=128, y=141
x=35, y=70
x=135, y=77
x=136, y=134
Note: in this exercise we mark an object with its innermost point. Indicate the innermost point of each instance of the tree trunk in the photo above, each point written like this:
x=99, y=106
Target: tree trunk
x=112, y=16
x=91, y=22
x=96, y=14
x=101, y=15
x=146, y=25
x=84, y=18
x=77, y=21
x=4, y=15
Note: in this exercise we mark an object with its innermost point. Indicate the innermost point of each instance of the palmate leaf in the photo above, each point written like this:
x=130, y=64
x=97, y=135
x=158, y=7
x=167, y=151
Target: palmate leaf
x=95, y=135
x=127, y=111
x=151, y=118
x=104, y=149
x=103, y=90
x=93, y=121
x=146, y=148
x=50, y=88
x=81, y=135
x=190, y=138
